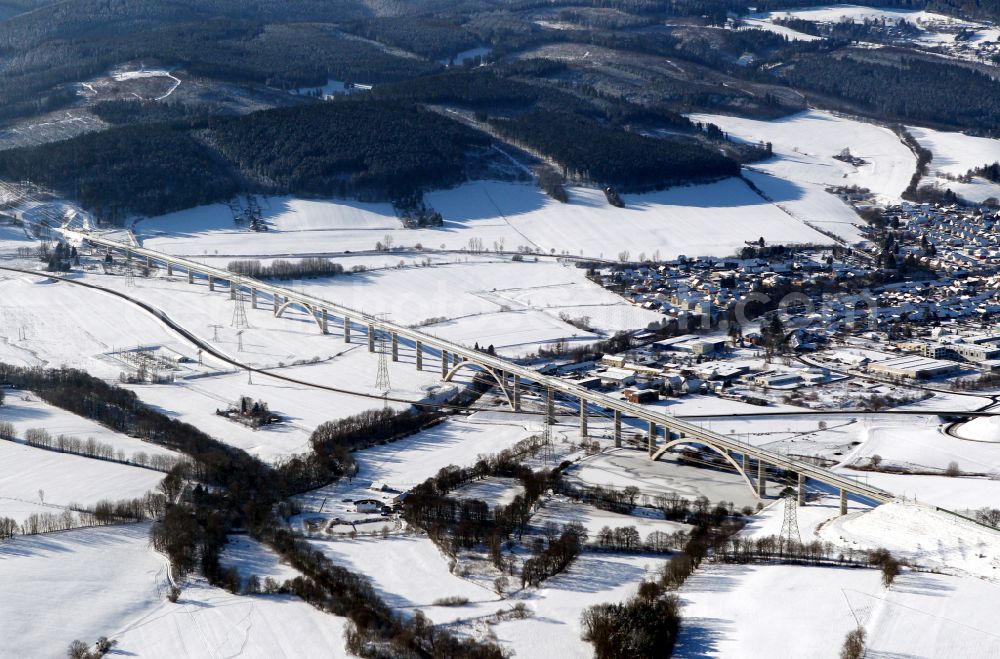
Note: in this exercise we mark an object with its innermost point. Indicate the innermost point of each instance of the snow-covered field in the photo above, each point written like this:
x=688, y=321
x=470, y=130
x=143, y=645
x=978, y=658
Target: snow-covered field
x=88, y=325
x=804, y=145
x=977, y=190
x=81, y=584
x=980, y=429
x=554, y=628
x=25, y=410
x=210, y=622
x=704, y=219
x=48, y=481
x=743, y=610
x=412, y=460
x=959, y=493
x=410, y=573
x=740, y=611
x=956, y=153
x=621, y=468
x=858, y=14
x=918, y=532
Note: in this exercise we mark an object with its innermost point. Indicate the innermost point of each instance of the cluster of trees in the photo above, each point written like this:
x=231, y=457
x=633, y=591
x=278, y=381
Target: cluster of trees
x=91, y=448
x=590, y=151
x=627, y=538
x=455, y=523
x=558, y=555
x=904, y=88
x=103, y=513
x=434, y=38
x=306, y=268
x=80, y=650
x=372, y=149
x=132, y=169
x=644, y=626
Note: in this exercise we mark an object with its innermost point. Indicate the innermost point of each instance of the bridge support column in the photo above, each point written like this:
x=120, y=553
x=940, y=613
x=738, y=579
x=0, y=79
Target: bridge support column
x=276, y=300
x=456, y=360
x=618, y=429
x=232, y=291
x=149, y=262
x=444, y=363
x=583, y=417
x=550, y=407
x=651, y=438
x=371, y=338
x=843, y=502
x=211, y=283
x=347, y=329
x=190, y=276
x=395, y=347
x=761, y=479
x=324, y=320
x=420, y=356
x=253, y=298
x=802, y=490
x=746, y=465
x=170, y=270
x=517, y=393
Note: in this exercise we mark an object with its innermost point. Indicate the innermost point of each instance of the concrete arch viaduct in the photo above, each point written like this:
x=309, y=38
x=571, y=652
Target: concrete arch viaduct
x=664, y=432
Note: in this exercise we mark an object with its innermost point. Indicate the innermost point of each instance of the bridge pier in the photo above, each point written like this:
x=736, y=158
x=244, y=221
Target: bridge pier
x=253, y=298
x=324, y=320
x=395, y=347
x=456, y=359
x=517, y=393
x=843, y=501
x=211, y=283
x=170, y=270
x=232, y=291
x=618, y=429
x=802, y=490
x=444, y=363
x=190, y=276
x=761, y=479
x=347, y=329
x=651, y=438
x=746, y=464
x=550, y=407
x=583, y=417
x=149, y=262
x=371, y=338
x=420, y=356
x=276, y=300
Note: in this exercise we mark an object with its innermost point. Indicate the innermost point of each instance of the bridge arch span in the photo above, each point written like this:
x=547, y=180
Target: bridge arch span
x=496, y=377
x=700, y=442
x=312, y=313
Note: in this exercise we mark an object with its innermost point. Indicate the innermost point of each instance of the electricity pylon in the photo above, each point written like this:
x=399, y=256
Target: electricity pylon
x=790, y=524
x=239, y=311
